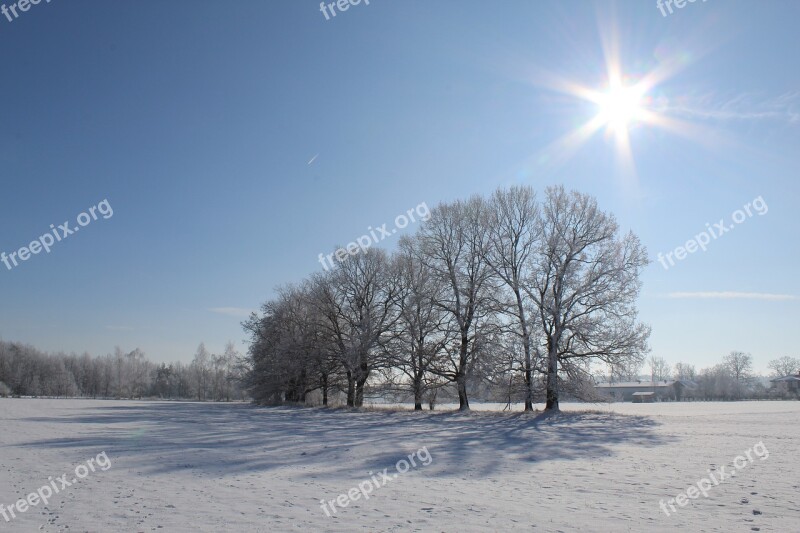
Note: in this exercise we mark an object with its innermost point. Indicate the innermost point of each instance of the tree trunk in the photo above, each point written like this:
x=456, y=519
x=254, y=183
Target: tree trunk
x=552, y=379
x=463, y=401
x=360, y=391
x=461, y=378
x=526, y=345
x=363, y=375
x=418, y=393
x=351, y=390
x=324, y=389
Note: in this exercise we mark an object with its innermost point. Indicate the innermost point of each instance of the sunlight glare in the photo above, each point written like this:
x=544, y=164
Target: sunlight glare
x=620, y=106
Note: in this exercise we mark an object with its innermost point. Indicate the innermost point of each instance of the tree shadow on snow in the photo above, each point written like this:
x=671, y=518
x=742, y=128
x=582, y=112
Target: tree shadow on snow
x=232, y=439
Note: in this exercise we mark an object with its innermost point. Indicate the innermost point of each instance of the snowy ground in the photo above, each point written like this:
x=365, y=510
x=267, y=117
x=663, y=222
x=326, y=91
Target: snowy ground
x=211, y=467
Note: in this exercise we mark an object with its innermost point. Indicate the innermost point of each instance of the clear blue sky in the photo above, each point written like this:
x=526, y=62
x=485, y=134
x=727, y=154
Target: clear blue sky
x=197, y=121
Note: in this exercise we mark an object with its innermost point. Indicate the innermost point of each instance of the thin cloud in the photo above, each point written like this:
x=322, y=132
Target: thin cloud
x=729, y=295
x=744, y=107
x=232, y=311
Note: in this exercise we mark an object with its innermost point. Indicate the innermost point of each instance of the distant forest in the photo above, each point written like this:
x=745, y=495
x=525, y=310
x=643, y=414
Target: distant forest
x=26, y=371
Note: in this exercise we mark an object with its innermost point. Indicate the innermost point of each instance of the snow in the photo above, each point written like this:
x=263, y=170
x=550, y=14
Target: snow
x=180, y=466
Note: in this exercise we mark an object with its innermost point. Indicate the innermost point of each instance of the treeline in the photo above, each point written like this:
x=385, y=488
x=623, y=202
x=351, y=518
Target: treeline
x=731, y=379
x=510, y=292
x=26, y=371
x=734, y=379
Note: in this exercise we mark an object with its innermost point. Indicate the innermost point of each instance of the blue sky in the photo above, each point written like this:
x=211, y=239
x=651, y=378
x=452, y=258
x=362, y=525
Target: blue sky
x=197, y=120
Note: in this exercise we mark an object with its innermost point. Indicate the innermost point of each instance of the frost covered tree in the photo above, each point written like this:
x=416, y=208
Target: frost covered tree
x=487, y=294
x=453, y=245
x=585, y=288
x=356, y=306
x=201, y=371
x=659, y=368
x=784, y=366
x=288, y=353
x=28, y=371
x=514, y=232
x=740, y=366
x=685, y=371
x=422, y=329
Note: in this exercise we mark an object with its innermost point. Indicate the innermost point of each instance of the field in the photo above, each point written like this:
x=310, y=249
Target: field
x=234, y=467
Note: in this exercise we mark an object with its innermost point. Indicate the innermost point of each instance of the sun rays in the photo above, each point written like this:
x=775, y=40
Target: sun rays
x=619, y=105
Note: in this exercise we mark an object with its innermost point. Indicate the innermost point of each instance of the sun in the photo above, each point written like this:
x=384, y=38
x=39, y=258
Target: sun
x=620, y=107
x=623, y=104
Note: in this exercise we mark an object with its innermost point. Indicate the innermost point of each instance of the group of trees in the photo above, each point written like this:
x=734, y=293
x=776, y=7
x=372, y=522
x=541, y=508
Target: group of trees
x=509, y=291
x=732, y=379
x=25, y=371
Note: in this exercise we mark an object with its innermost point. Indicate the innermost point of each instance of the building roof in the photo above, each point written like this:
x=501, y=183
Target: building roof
x=687, y=383
x=635, y=384
x=786, y=378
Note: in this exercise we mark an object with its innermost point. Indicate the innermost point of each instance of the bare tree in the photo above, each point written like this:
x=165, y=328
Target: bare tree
x=585, y=287
x=659, y=368
x=202, y=372
x=514, y=232
x=784, y=366
x=626, y=369
x=740, y=366
x=685, y=371
x=356, y=303
x=453, y=244
x=717, y=383
x=423, y=333
x=138, y=371
x=28, y=371
x=286, y=348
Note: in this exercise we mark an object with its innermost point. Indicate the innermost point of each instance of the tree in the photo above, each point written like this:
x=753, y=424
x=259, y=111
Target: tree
x=585, y=288
x=659, y=368
x=514, y=231
x=740, y=366
x=626, y=369
x=685, y=371
x=717, y=383
x=356, y=306
x=231, y=376
x=138, y=372
x=452, y=244
x=201, y=370
x=120, y=373
x=423, y=333
x=784, y=366
x=162, y=381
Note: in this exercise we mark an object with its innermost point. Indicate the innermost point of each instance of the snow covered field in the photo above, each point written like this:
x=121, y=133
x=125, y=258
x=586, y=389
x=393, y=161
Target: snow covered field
x=234, y=467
